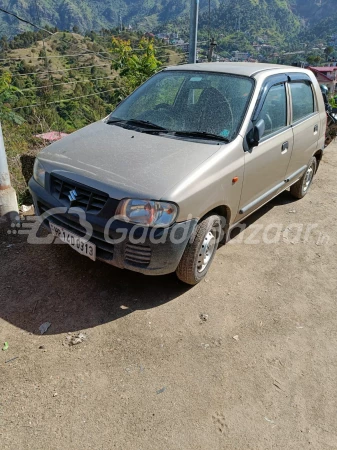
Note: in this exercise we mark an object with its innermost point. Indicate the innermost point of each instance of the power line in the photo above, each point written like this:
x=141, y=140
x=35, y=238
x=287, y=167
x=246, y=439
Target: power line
x=48, y=56
x=88, y=52
x=168, y=45
x=60, y=70
x=65, y=100
x=67, y=82
x=25, y=21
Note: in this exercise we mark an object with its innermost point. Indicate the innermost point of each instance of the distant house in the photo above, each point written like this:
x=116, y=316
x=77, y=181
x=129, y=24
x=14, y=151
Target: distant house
x=180, y=42
x=326, y=75
x=162, y=36
x=240, y=56
x=52, y=136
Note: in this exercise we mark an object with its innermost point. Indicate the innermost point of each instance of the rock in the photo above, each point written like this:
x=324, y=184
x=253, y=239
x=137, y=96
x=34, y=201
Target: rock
x=76, y=339
x=203, y=317
x=44, y=327
x=27, y=210
x=236, y=337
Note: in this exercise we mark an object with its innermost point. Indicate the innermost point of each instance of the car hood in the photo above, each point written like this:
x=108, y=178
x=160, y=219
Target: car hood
x=125, y=162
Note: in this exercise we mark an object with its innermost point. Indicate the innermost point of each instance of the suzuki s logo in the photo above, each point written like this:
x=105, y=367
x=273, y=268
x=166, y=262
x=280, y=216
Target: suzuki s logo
x=72, y=195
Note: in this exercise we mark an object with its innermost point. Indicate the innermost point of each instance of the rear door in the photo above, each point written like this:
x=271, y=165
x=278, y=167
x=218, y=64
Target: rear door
x=266, y=165
x=306, y=123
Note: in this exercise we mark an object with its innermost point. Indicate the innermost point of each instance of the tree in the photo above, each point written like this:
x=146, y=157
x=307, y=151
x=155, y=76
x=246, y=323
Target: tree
x=135, y=66
x=328, y=50
x=313, y=59
x=7, y=92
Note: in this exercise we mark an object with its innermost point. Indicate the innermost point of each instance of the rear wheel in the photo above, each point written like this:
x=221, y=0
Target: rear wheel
x=199, y=254
x=301, y=187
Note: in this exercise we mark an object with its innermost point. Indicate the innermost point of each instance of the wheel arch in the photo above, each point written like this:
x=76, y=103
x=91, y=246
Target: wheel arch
x=318, y=155
x=223, y=211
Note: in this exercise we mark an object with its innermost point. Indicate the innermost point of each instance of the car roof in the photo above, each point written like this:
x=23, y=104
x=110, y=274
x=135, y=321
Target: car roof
x=238, y=68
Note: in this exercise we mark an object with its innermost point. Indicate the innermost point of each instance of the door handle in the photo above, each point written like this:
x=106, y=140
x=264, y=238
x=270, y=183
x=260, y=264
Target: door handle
x=285, y=147
x=315, y=129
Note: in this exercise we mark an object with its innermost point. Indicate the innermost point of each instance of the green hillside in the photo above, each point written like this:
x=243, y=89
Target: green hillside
x=146, y=14
x=314, y=10
x=94, y=14
x=270, y=21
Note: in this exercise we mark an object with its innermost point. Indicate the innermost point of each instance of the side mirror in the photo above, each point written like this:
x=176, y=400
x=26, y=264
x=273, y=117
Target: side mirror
x=255, y=134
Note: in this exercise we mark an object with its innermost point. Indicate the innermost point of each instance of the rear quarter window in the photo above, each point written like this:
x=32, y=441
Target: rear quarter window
x=303, y=102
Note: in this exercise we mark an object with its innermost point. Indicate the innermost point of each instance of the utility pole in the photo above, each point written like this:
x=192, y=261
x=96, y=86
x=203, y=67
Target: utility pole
x=193, y=31
x=8, y=202
x=212, y=46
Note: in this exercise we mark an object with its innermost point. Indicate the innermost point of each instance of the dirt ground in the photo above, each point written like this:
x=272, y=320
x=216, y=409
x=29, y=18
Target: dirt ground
x=257, y=371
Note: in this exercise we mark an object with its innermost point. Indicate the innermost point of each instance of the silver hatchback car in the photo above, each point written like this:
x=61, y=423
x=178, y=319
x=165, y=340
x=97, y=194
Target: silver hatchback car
x=159, y=183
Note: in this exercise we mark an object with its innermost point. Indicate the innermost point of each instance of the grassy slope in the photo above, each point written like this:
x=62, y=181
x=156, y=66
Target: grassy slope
x=30, y=54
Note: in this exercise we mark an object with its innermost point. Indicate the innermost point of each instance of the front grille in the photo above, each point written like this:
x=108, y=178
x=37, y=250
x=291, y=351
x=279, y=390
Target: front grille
x=139, y=255
x=90, y=200
x=104, y=249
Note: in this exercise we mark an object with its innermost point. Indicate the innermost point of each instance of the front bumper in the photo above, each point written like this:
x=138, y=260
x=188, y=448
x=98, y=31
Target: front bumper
x=151, y=251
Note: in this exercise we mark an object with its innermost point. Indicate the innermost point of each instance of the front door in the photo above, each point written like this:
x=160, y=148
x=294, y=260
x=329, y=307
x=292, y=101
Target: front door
x=266, y=165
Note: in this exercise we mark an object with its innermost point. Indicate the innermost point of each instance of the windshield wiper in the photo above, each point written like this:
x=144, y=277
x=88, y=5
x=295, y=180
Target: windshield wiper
x=154, y=127
x=143, y=123
x=201, y=134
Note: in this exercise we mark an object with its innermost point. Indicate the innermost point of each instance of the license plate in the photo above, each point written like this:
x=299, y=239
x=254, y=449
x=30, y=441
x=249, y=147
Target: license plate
x=76, y=242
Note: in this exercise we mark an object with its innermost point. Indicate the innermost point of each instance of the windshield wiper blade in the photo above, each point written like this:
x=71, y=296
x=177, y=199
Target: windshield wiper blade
x=147, y=123
x=143, y=123
x=201, y=134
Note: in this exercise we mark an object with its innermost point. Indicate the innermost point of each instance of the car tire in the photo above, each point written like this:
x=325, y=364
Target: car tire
x=200, y=251
x=301, y=187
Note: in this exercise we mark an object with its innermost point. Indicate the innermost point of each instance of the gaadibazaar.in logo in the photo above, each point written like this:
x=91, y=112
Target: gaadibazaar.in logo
x=255, y=234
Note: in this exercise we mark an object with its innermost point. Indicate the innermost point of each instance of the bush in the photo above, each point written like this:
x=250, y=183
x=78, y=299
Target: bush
x=19, y=142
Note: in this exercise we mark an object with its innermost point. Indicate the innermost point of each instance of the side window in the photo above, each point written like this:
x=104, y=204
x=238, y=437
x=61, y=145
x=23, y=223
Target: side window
x=274, y=110
x=303, y=102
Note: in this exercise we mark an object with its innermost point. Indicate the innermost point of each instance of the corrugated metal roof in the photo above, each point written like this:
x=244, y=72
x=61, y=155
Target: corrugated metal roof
x=51, y=136
x=324, y=69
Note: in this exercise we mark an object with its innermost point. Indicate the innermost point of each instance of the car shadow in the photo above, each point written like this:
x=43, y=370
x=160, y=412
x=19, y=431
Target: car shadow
x=284, y=198
x=52, y=283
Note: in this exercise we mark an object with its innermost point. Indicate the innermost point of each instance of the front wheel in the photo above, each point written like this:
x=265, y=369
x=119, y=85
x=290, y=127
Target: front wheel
x=200, y=252
x=301, y=187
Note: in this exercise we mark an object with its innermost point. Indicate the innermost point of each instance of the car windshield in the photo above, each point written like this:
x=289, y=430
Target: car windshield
x=189, y=102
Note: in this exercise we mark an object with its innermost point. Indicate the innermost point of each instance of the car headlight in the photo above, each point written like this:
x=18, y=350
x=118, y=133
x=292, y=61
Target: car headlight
x=147, y=212
x=39, y=173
